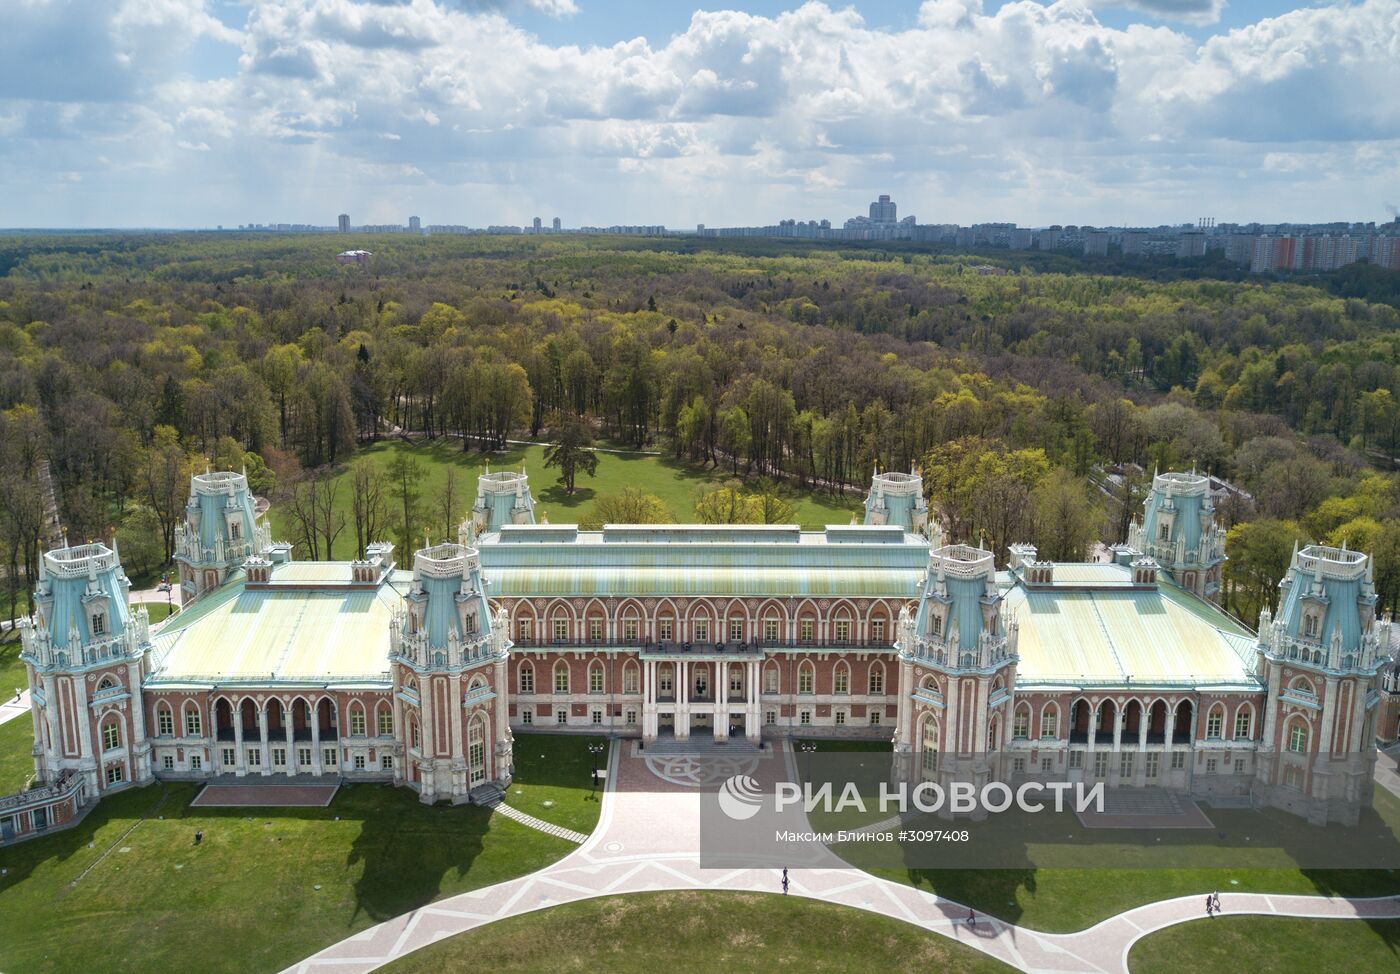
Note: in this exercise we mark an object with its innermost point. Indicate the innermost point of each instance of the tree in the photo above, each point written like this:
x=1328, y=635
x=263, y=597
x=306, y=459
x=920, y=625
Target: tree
x=446, y=503
x=769, y=507
x=1259, y=553
x=1068, y=519
x=141, y=541
x=367, y=501
x=631, y=505
x=405, y=474
x=164, y=480
x=723, y=504
x=570, y=452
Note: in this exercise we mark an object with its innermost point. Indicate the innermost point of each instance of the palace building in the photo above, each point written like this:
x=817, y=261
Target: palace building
x=1124, y=671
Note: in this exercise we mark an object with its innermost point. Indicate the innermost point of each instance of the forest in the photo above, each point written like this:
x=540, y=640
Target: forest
x=1037, y=399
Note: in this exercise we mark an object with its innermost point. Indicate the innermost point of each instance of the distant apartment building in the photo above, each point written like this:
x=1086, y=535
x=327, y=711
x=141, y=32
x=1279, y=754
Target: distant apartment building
x=1048, y=239
x=557, y=225
x=1133, y=242
x=1096, y=243
x=344, y=222
x=1191, y=244
x=536, y=225
x=415, y=225
x=1021, y=239
x=883, y=211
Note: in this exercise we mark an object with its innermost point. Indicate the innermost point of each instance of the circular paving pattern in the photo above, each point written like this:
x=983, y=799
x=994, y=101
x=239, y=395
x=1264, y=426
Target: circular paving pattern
x=699, y=770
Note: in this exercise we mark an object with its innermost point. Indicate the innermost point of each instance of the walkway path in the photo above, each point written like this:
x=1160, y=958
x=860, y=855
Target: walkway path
x=13, y=708
x=538, y=824
x=648, y=840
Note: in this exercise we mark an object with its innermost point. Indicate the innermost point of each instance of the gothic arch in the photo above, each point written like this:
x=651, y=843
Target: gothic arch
x=877, y=667
x=1243, y=709
x=525, y=675
x=806, y=677
x=927, y=739
x=842, y=668
x=561, y=668
x=631, y=676
x=1023, y=710
x=595, y=666
x=776, y=680
x=1049, y=713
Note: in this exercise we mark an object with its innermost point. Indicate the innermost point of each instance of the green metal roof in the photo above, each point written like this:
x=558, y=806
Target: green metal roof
x=313, y=635
x=1108, y=633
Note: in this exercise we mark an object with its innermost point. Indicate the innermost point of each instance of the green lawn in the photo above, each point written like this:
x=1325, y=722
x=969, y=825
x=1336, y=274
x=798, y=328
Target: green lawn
x=1259, y=943
x=555, y=768
x=1178, y=863
x=674, y=482
x=692, y=931
x=12, y=671
x=246, y=900
x=159, y=611
x=16, y=761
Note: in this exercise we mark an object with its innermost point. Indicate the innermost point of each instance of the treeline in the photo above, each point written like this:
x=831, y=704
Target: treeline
x=128, y=362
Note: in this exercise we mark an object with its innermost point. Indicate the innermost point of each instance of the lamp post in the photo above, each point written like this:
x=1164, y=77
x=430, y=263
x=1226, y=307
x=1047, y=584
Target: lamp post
x=807, y=747
x=594, y=750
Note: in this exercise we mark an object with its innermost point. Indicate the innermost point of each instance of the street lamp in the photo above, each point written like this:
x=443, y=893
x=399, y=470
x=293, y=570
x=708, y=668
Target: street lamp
x=594, y=750
x=807, y=747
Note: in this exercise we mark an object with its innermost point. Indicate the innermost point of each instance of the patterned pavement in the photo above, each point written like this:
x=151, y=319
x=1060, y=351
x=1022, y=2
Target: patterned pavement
x=647, y=840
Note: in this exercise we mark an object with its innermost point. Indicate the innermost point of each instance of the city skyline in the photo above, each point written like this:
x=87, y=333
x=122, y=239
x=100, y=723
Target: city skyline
x=199, y=113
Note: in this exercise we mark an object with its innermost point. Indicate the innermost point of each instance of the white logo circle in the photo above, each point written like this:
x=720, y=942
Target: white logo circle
x=740, y=797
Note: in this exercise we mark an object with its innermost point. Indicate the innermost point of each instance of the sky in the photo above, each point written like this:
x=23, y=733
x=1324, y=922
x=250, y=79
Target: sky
x=197, y=113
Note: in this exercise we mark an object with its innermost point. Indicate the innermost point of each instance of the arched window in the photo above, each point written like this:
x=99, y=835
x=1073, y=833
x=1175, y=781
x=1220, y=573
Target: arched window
x=111, y=733
x=561, y=677
x=357, y=719
x=1215, y=722
x=736, y=680
x=877, y=679
x=841, y=678
x=526, y=677
x=701, y=681
x=631, y=680
x=928, y=748
x=1298, y=737
x=415, y=733
x=99, y=623
x=993, y=732
x=192, y=722
x=1021, y=727
x=1050, y=721
x=806, y=677
x=770, y=677
x=665, y=679
x=165, y=721
x=478, y=683
x=107, y=684
x=1244, y=722
x=476, y=749
x=385, y=719
x=595, y=677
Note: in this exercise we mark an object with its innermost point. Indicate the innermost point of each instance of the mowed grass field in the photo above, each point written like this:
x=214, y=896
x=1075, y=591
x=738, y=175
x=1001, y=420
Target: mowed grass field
x=699, y=931
x=1262, y=943
x=674, y=482
x=127, y=889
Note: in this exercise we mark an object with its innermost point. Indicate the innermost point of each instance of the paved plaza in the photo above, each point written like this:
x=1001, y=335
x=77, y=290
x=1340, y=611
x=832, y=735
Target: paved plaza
x=648, y=839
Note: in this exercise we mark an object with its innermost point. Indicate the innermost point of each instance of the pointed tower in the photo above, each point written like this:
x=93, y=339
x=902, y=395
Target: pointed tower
x=1321, y=657
x=86, y=651
x=1179, y=532
x=957, y=655
x=449, y=670
x=897, y=498
x=221, y=530
x=502, y=498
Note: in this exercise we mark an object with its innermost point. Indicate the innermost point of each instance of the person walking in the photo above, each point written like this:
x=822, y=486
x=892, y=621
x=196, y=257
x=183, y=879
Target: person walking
x=972, y=918
x=785, y=881
x=1215, y=901
x=198, y=837
x=1210, y=905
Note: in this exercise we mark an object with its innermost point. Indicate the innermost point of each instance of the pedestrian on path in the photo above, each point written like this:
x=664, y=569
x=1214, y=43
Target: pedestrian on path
x=1215, y=901
x=1210, y=905
x=198, y=837
x=972, y=918
x=785, y=881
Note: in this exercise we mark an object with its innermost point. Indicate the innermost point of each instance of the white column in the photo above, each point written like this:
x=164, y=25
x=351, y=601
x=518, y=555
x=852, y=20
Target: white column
x=140, y=749
x=54, y=754
x=239, y=765
x=316, y=766
x=682, y=719
x=83, y=719
x=460, y=775
x=289, y=722
x=266, y=755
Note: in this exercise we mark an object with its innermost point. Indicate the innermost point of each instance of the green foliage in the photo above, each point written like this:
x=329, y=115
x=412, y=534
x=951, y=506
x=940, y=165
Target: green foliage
x=630, y=505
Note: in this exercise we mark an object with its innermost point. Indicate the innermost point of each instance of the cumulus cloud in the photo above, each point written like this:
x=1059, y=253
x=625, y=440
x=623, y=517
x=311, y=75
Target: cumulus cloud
x=1029, y=103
